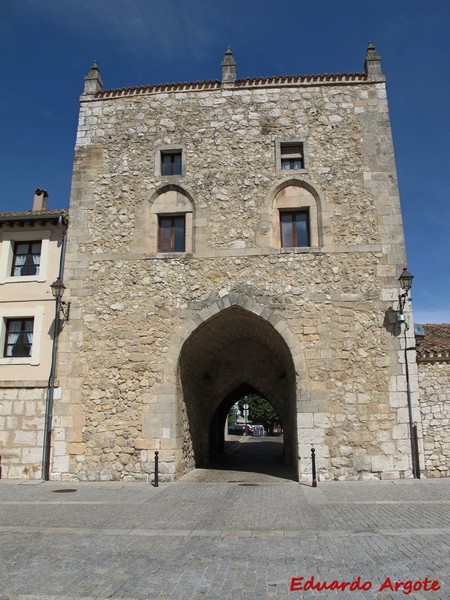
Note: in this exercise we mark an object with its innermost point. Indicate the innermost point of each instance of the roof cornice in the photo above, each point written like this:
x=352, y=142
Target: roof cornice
x=32, y=217
x=239, y=85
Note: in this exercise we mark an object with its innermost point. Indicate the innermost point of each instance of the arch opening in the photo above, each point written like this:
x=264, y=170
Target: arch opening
x=233, y=354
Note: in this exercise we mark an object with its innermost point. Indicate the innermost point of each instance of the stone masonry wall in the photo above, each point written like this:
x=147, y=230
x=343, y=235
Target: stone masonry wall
x=434, y=383
x=133, y=308
x=21, y=432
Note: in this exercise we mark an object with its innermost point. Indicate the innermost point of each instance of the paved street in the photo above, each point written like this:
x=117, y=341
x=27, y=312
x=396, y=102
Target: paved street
x=247, y=460
x=221, y=540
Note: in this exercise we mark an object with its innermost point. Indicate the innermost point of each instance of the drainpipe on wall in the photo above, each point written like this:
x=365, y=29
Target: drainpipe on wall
x=47, y=443
x=412, y=428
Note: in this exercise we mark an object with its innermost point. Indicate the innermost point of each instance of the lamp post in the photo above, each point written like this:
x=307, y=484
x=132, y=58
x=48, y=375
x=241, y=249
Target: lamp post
x=405, y=281
x=58, y=288
x=61, y=308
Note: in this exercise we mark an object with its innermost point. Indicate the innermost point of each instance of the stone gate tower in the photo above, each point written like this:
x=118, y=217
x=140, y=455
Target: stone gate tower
x=226, y=236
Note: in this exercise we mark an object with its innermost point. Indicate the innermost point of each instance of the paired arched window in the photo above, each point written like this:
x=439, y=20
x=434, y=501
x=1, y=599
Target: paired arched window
x=292, y=209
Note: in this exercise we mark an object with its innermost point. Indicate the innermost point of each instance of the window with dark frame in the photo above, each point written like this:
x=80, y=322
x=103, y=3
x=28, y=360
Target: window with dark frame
x=26, y=258
x=19, y=337
x=294, y=227
x=172, y=233
x=291, y=156
x=171, y=162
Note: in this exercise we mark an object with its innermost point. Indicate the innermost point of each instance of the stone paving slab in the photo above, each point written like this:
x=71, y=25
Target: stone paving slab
x=221, y=541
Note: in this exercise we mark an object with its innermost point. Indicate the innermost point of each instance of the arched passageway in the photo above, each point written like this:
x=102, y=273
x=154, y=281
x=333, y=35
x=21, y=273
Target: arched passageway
x=232, y=353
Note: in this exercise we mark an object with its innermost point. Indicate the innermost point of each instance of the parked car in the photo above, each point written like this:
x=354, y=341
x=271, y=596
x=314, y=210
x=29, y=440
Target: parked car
x=237, y=429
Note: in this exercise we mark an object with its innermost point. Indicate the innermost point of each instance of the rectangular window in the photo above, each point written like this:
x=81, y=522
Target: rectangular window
x=171, y=162
x=26, y=258
x=171, y=234
x=294, y=228
x=19, y=337
x=291, y=156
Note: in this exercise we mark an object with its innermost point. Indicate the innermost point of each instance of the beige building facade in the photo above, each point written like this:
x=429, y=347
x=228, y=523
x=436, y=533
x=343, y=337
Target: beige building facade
x=227, y=237
x=30, y=260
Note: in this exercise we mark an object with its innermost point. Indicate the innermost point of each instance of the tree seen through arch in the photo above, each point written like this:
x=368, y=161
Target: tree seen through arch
x=260, y=411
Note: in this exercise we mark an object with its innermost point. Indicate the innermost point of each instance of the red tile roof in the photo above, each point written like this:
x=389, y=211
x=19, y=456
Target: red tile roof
x=33, y=215
x=435, y=345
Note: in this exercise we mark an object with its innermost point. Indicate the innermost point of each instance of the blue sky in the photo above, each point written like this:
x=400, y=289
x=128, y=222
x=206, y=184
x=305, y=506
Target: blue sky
x=47, y=46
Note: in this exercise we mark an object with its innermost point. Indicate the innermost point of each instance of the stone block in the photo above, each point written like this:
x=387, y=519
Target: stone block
x=32, y=455
x=6, y=407
x=60, y=464
x=25, y=438
x=361, y=462
x=400, y=432
x=304, y=421
x=321, y=420
x=382, y=463
x=76, y=448
x=311, y=436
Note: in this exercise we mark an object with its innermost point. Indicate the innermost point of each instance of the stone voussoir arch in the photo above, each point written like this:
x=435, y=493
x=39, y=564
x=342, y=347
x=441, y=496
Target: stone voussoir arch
x=170, y=187
x=295, y=181
x=222, y=304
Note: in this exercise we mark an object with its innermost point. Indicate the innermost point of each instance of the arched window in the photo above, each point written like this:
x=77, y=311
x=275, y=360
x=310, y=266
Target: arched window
x=295, y=217
x=171, y=221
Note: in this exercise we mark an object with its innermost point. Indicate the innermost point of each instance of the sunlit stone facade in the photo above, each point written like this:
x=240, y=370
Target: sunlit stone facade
x=227, y=236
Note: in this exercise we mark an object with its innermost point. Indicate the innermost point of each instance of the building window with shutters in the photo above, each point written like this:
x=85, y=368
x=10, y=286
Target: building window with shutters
x=291, y=156
x=172, y=233
x=294, y=228
x=19, y=337
x=26, y=258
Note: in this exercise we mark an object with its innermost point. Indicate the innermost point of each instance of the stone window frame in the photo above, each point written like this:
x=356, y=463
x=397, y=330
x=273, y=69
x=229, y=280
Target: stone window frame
x=37, y=314
x=180, y=205
x=168, y=149
x=309, y=203
x=299, y=141
x=7, y=255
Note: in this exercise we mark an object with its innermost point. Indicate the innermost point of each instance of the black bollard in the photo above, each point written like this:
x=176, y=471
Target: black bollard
x=313, y=460
x=0, y=467
x=156, y=468
x=416, y=461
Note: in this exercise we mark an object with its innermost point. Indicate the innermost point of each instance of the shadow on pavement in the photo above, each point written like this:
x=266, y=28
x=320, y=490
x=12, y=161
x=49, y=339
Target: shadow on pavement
x=247, y=459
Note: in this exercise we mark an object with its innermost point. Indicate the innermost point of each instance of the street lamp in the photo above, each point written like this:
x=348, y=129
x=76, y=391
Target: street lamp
x=58, y=288
x=405, y=281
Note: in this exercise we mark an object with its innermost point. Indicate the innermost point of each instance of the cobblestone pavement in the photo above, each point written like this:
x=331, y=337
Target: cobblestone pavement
x=222, y=541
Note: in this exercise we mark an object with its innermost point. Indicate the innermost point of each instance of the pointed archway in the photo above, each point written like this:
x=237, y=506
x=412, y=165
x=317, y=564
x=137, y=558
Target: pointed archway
x=232, y=351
